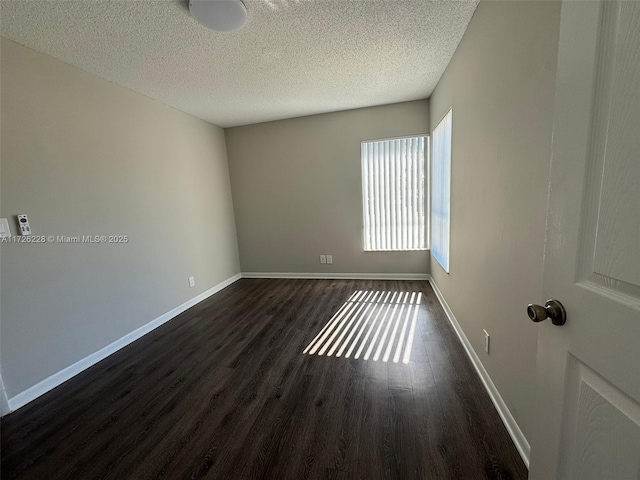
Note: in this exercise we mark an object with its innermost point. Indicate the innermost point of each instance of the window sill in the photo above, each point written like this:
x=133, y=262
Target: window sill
x=398, y=250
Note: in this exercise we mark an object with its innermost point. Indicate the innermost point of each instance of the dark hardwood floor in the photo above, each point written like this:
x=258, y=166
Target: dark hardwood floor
x=224, y=391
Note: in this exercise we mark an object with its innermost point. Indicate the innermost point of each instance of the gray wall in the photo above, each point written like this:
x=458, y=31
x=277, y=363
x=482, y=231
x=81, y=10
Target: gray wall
x=500, y=84
x=297, y=190
x=82, y=156
x=4, y=401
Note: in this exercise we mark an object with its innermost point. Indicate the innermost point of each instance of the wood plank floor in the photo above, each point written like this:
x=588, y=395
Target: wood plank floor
x=224, y=391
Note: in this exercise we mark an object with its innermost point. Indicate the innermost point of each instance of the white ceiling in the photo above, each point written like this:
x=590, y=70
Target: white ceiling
x=292, y=58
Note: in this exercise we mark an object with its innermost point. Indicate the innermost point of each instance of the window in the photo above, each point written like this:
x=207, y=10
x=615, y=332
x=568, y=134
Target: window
x=393, y=194
x=441, y=192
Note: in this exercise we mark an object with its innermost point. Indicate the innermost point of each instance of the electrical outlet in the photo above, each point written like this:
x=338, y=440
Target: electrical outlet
x=486, y=341
x=192, y=281
x=323, y=259
x=329, y=258
x=5, y=230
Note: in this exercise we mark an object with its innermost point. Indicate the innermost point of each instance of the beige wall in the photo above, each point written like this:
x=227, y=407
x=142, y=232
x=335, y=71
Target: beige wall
x=82, y=156
x=500, y=84
x=297, y=190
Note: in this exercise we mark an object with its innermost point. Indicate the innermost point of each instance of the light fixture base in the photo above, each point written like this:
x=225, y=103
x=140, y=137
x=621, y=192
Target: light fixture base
x=220, y=15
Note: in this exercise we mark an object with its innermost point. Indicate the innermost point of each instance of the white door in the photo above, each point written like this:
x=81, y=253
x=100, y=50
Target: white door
x=588, y=381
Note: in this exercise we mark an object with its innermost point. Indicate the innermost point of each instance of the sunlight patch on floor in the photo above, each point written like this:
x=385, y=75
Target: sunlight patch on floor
x=372, y=325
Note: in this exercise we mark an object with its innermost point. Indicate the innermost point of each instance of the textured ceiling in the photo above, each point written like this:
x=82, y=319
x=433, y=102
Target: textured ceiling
x=292, y=58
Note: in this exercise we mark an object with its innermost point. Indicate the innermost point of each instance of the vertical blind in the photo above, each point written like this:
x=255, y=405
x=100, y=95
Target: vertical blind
x=393, y=184
x=441, y=192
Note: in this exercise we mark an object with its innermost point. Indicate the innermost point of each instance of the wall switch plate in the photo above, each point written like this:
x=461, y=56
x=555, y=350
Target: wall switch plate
x=192, y=281
x=329, y=258
x=486, y=341
x=323, y=259
x=23, y=225
x=5, y=230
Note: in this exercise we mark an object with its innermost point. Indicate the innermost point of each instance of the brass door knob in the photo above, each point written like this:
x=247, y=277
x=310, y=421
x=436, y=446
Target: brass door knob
x=553, y=309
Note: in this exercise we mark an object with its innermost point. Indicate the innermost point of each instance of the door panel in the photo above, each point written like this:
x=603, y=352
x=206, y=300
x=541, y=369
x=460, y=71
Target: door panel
x=602, y=428
x=611, y=252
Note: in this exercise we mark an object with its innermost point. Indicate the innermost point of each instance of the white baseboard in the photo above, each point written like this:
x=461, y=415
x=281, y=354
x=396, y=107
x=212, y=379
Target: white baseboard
x=509, y=422
x=337, y=276
x=62, y=376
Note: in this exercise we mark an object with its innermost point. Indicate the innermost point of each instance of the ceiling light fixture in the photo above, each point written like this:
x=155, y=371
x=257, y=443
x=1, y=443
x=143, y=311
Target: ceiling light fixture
x=221, y=15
